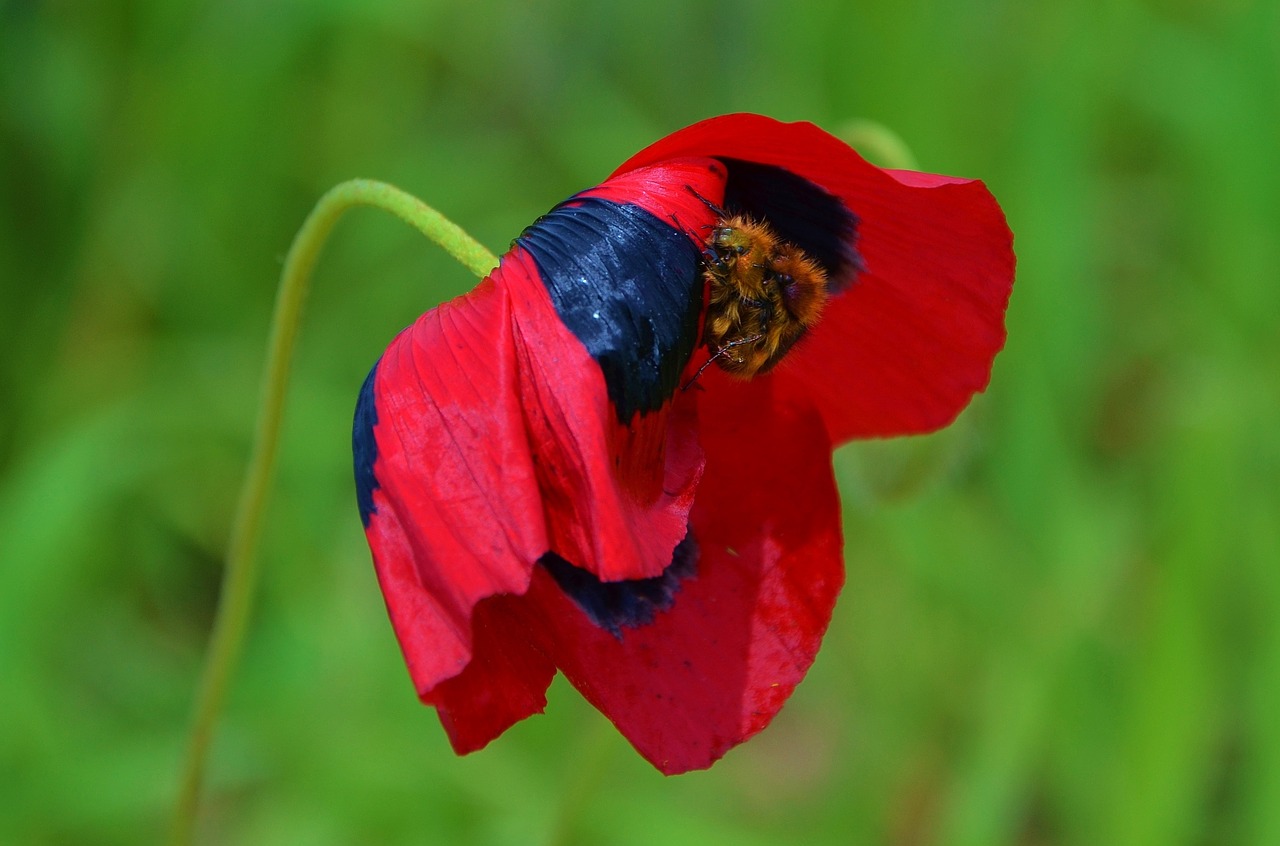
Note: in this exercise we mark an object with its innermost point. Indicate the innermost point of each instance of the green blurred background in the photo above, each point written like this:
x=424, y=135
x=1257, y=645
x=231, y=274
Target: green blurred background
x=1062, y=621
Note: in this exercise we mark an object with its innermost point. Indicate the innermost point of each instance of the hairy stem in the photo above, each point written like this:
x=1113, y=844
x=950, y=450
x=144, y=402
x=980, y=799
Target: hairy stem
x=241, y=570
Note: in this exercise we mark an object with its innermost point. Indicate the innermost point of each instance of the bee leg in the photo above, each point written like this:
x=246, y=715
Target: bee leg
x=722, y=351
x=714, y=262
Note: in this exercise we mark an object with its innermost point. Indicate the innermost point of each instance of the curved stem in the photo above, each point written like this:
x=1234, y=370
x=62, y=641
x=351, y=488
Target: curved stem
x=240, y=573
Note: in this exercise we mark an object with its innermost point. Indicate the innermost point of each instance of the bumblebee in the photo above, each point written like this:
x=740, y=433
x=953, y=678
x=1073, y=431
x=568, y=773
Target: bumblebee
x=764, y=293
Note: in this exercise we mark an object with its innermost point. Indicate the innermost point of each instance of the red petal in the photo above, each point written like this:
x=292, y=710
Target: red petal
x=714, y=668
x=664, y=192
x=619, y=519
x=505, y=681
x=906, y=347
x=617, y=497
x=458, y=515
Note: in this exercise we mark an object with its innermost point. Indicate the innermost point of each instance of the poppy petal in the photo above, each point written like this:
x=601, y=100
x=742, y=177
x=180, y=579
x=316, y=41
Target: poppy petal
x=606, y=299
x=903, y=349
x=506, y=680
x=615, y=498
x=741, y=630
x=509, y=673
x=443, y=466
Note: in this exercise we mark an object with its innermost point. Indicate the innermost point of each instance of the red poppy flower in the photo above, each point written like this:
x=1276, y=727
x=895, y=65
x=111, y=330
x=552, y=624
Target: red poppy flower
x=541, y=492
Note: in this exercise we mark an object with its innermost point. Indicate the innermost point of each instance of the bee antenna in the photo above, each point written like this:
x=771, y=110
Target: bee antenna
x=719, y=212
x=675, y=218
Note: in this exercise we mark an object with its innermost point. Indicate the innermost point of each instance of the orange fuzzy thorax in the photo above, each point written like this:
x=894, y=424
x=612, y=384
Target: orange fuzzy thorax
x=764, y=293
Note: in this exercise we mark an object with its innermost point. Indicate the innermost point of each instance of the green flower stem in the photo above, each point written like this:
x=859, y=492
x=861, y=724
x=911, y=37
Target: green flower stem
x=241, y=571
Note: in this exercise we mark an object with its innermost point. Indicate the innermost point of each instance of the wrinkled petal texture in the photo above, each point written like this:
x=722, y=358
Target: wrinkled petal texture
x=457, y=513
x=616, y=524
x=903, y=350
x=717, y=666
x=617, y=493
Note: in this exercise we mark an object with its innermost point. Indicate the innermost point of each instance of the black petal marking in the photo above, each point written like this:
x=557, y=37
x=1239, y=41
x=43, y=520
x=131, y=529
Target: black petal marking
x=629, y=603
x=629, y=286
x=800, y=212
x=364, y=448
